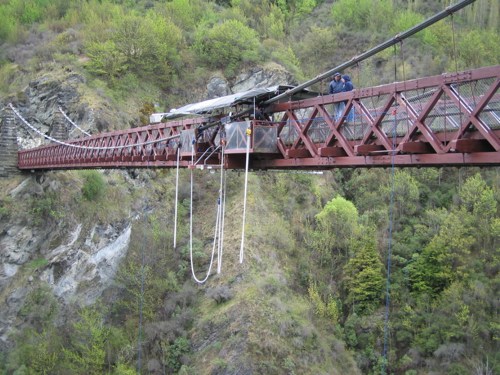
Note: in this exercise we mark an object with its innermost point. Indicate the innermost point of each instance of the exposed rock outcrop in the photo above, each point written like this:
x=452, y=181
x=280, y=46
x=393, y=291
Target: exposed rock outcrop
x=260, y=77
x=79, y=269
x=271, y=74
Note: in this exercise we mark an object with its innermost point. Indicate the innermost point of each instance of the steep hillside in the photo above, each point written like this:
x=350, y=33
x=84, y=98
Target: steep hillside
x=299, y=303
x=90, y=282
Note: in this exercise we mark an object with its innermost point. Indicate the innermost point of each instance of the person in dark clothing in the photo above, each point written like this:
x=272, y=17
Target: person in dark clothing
x=260, y=115
x=336, y=86
x=348, y=86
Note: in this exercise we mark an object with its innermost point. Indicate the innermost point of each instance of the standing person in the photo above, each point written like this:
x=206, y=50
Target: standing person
x=337, y=86
x=348, y=86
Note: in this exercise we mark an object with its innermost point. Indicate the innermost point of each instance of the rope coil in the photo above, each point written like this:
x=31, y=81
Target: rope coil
x=218, y=231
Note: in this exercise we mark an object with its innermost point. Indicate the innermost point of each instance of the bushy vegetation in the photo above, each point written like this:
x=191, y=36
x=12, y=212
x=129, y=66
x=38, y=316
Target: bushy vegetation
x=93, y=186
x=314, y=282
x=311, y=295
x=145, y=46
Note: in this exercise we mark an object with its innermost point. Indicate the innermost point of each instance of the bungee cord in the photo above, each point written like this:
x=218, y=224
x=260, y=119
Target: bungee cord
x=217, y=223
x=248, y=132
x=176, y=195
x=222, y=208
x=391, y=225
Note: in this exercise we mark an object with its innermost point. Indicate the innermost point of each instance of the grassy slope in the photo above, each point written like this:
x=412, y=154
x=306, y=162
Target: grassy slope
x=268, y=326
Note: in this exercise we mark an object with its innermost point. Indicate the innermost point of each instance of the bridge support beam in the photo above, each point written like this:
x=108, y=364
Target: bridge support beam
x=8, y=144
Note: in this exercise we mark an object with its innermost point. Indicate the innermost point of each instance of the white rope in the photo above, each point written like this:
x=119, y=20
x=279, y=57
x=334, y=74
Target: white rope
x=191, y=229
x=176, y=196
x=222, y=199
x=87, y=147
x=72, y=123
x=245, y=195
x=202, y=155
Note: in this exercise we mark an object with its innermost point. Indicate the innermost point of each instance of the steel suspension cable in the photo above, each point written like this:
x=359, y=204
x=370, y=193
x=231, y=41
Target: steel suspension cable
x=87, y=147
x=247, y=160
x=72, y=123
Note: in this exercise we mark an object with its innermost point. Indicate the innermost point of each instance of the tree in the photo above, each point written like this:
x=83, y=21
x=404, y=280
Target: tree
x=444, y=258
x=375, y=15
x=363, y=278
x=227, y=45
x=406, y=195
x=87, y=352
x=478, y=199
x=105, y=59
x=337, y=223
x=478, y=48
x=36, y=353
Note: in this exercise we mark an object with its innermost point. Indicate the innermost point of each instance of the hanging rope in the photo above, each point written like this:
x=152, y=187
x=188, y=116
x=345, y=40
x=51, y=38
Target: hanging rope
x=455, y=57
x=217, y=223
x=176, y=195
x=389, y=251
x=249, y=133
x=72, y=123
x=222, y=207
x=141, y=304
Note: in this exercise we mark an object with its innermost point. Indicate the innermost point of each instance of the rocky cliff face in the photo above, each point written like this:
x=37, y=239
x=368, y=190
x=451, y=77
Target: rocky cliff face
x=76, y=262
x=258, y=77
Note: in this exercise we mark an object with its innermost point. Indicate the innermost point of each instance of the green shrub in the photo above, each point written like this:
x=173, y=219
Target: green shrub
x=174, y=353
x=38, y=263
x=40, y=307
x=94, y=185
x=5, y=207
x=227, y=45
x=46, y=207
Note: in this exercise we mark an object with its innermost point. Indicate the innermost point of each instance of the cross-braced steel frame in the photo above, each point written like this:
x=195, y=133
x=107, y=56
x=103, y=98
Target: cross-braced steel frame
x=450, y=119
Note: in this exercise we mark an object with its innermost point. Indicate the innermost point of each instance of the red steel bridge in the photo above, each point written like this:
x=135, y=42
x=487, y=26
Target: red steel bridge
x=446, y=120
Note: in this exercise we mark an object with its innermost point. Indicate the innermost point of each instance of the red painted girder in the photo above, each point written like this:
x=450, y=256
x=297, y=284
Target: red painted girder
x=406, y=160
x=471, y=115
x=304, y=151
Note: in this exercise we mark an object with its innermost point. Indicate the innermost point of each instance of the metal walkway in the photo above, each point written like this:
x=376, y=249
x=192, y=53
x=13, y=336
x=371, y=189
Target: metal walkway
x=450, y=119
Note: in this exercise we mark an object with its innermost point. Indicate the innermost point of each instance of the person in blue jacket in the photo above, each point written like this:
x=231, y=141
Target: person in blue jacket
x=348, y=86
x=337, y=86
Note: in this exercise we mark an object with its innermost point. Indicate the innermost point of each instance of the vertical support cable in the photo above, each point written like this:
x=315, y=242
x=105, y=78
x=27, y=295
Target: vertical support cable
x=455, y=57
x=249, y=132
x=222, y=199
x=176, y=195
x=389, y=251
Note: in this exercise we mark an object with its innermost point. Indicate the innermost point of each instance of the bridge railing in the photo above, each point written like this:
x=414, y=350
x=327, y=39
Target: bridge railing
x=450, y=119
x=439, y=113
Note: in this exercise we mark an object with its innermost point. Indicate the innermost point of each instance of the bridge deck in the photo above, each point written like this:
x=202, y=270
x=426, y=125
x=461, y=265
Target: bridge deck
x=451, y=119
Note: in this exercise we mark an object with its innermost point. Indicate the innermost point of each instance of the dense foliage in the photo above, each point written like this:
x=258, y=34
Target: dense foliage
x=311, y=297
x=152, y=47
